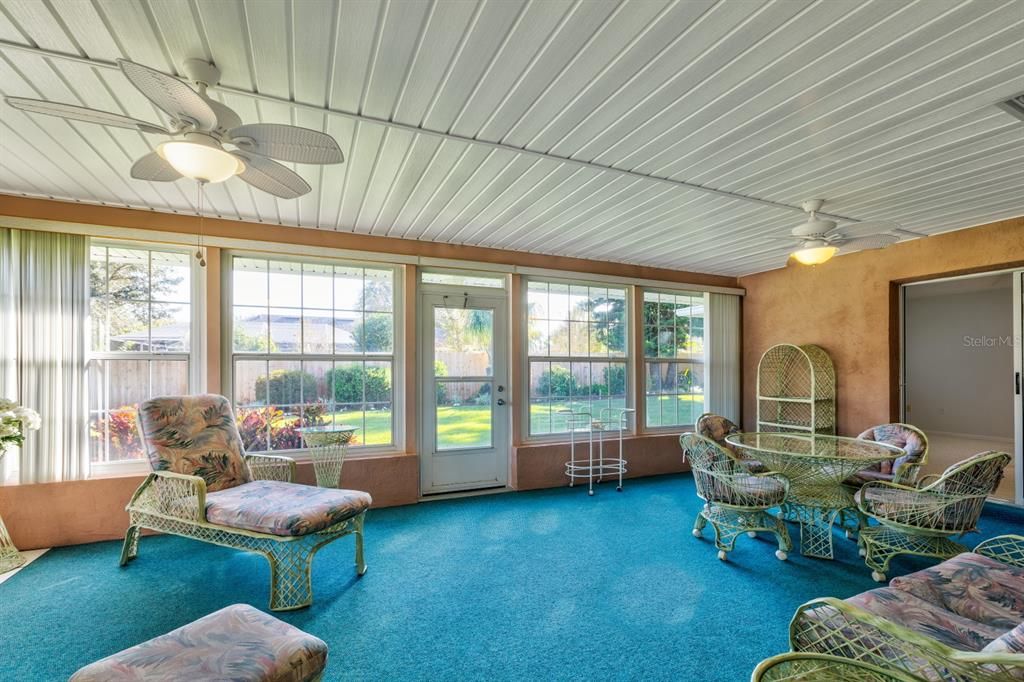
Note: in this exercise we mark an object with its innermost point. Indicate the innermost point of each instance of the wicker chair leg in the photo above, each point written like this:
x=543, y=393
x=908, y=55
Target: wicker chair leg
x=698, y=525
x=782, y=533
x=130, y=549
x=291, y=582
x=880, y=544
x=357, y=528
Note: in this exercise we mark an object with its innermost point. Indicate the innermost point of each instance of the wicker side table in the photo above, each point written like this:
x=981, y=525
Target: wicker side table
x=328, y=446
x=10, y=557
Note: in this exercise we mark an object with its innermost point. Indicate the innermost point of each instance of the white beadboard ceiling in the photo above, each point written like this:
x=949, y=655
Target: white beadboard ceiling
x=466, y=122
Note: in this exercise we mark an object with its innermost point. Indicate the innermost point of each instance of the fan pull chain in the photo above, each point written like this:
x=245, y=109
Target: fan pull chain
x=199, y=236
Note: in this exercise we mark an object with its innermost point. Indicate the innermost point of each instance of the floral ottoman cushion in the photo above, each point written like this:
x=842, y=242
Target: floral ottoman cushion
x=927, y=618
x=236, y=643
x=973, y=586
x=281, y=508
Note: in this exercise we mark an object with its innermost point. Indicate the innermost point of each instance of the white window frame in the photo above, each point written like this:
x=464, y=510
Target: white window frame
x=642, y=379
x=196, y=355
x=524, y=375
x=398, y=387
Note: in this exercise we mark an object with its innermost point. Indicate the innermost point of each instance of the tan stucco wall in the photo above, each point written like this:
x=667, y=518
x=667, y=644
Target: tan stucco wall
x=847, y=306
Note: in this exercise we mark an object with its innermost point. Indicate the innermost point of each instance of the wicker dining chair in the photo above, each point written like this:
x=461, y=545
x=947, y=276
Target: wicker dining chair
x=922, y=520
x=717, y=428
x=735, y=500
x=806, y=667
x=904, y=469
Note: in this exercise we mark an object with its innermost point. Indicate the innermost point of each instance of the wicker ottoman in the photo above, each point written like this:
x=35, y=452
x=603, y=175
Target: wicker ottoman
x=236, y=643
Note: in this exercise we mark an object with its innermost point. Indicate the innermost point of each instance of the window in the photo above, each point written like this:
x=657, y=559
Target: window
x=141, y=340
x=463, y=279
x=673, y=358
x=312, y=343
x=577, y=351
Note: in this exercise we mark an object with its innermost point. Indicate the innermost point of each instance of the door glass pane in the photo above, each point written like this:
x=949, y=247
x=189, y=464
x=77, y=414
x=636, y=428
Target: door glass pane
x=463, y=414
x=463, y=342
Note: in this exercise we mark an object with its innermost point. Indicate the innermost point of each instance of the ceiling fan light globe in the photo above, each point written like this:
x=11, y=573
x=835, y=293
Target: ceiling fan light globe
x=815, y=255
x=201, y=162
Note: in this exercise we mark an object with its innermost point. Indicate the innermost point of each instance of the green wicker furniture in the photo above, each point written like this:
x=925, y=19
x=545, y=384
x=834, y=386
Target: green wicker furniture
x=816, y=466
x=717, y=427
x=903, y=470
x=328, y=445
x=204, y=487
x=796, y=390
x=922, y=520
x=736, y=501
x=961, y=621
x=236, y=643
x=796, y=666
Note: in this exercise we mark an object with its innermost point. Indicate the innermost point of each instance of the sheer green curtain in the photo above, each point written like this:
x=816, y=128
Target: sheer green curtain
x=44, y=311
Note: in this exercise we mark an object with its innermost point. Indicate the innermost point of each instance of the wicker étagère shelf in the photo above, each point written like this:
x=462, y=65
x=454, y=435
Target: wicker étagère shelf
x=796, y=390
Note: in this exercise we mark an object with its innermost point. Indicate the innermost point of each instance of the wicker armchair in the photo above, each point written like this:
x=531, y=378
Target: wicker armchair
x=922, y=520
x=736, y=501
x=839, y=628
x=717, y=427
x=803, y=667
x=903, y=470
x=204, y=487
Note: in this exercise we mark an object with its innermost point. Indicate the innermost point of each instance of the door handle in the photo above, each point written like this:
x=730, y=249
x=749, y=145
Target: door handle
x=1016, y=383
x=501, y=401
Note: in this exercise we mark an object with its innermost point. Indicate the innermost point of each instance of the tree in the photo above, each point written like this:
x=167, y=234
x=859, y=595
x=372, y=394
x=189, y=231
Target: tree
x=373, y=334
x=244, y=341
x=121, y=290
x=287, y=387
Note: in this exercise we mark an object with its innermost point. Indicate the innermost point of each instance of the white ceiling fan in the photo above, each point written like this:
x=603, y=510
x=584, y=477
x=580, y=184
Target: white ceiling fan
x=202, y=127
x=820, y=238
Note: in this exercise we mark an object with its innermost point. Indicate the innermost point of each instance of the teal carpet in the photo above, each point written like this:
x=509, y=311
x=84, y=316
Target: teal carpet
x=546, y=585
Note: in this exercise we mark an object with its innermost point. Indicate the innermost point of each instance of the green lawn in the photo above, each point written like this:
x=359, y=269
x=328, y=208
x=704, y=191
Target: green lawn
x=467, y=426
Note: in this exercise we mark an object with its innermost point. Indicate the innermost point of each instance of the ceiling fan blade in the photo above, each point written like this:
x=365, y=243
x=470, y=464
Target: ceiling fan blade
x=153, y=167
x=870, y=227
x=170, y=94
x=876, y=241
x=76, y=113
x=272, y=177
x=287, y=143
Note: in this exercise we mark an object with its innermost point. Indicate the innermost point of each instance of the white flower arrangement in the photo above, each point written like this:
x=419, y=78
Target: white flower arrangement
x=15, y=420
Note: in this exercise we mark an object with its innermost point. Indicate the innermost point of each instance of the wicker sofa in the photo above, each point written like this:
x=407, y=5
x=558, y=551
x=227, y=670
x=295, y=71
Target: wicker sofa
x=962, y=620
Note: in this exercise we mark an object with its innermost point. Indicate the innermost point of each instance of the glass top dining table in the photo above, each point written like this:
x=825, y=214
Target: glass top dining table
x=816, y=466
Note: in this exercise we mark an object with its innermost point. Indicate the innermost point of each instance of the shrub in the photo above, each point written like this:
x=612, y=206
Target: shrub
x=287, y=387
x=441, y=370
x=283, y=428
x=125, y=442
x=615, y=379
x=558, y=383
x=346, y=384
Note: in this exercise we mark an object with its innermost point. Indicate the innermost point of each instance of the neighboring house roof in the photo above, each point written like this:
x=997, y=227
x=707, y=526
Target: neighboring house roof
x=284, y=331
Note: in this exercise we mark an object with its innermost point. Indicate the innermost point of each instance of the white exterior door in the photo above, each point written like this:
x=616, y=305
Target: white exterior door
x=464, y=391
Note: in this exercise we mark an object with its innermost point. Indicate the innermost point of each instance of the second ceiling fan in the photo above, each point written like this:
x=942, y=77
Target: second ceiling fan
x=202, y=127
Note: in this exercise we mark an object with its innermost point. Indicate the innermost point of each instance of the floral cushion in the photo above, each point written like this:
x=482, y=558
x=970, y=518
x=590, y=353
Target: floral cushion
x=866, y=476
x=235, y=643
x=902, y=437
x=194, y=435
x=750, y=491
x=715, y=427
x=281, y=508
x=927, y=618
x=1012, y=642
x=973, y=586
